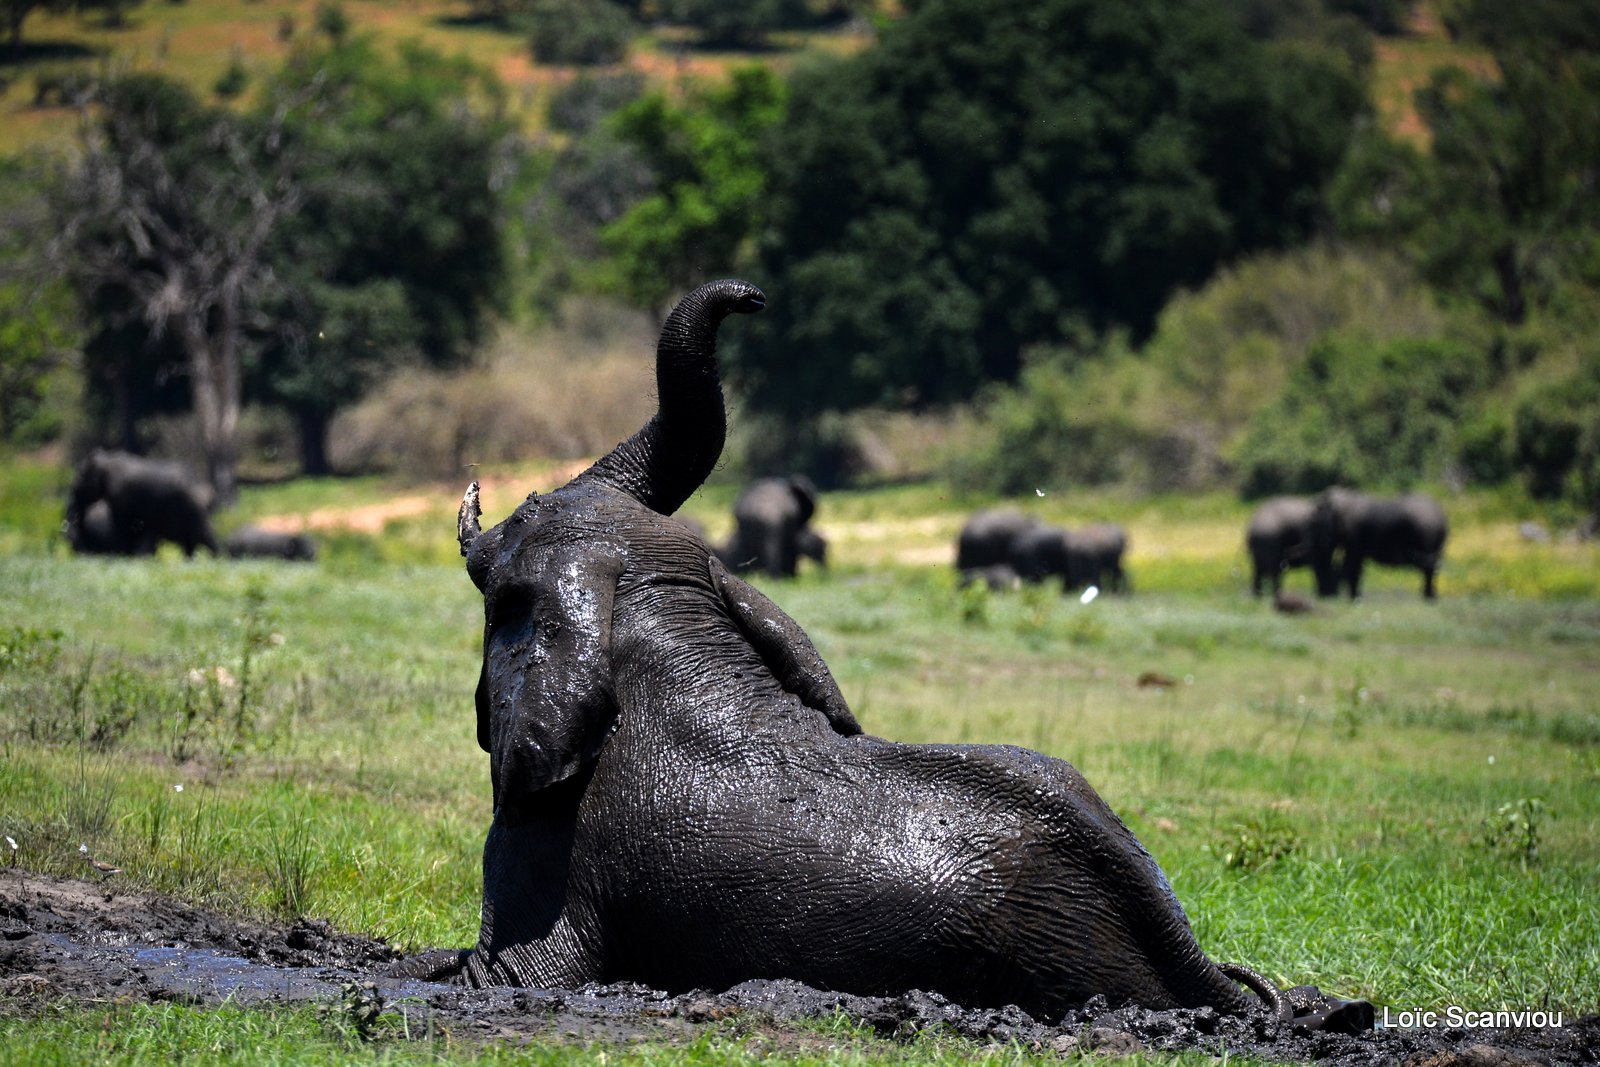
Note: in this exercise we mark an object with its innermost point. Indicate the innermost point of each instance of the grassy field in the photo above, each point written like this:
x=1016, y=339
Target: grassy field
x=1391, y=798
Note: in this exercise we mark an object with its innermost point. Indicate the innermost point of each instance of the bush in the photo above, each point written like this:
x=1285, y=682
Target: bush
x=586, y=32
x=1362, y=413
x=1556, y=438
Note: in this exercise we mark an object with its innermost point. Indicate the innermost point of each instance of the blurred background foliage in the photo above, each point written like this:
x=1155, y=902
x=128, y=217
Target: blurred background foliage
x=1178, y=246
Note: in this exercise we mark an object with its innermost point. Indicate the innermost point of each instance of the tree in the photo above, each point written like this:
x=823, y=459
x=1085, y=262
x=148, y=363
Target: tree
x=992, y=173
x=708, y=185
x=395, y=251
x=1502, y=206
x=166, y=218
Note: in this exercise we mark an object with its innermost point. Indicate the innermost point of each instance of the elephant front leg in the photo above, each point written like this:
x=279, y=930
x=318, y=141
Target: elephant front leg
x=536, y=930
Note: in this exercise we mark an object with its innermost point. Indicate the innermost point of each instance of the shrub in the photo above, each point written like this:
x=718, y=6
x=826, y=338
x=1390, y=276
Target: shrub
x=586, y=32
x=1362, y=413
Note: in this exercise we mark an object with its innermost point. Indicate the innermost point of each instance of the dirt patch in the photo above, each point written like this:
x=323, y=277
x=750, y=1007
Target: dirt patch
x=63, y=940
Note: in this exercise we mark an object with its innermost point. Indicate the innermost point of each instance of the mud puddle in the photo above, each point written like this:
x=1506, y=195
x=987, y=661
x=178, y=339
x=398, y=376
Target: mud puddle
x=74, y=941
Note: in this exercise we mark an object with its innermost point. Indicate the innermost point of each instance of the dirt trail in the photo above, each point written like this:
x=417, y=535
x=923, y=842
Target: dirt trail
x=69, y=941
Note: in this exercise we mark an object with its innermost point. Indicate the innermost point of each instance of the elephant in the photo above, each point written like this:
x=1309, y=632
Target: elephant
x=1405, y=531
x=150, y=501
x=1085, y=557
x=93, y=533
x=771, y=531
x=1094, y=557
x=1279, y=539
x=1040, y=552
x=682, y=796
x=249, y=542
x=986, y=538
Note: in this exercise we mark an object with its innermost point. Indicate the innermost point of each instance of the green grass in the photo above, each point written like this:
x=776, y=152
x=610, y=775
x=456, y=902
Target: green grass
x=1394, y=799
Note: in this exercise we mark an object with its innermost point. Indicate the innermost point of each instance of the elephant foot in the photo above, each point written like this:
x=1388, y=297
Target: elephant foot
x=434, y=965
x=1316, y=1010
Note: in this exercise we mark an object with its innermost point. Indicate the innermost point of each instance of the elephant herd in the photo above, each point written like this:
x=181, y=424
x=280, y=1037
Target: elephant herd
x=1336, y=532
x=1002, y=547
x=126, y=505
x=683, y=797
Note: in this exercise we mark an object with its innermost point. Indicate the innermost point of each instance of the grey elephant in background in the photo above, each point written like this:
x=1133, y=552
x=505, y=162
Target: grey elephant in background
x=94, y=534
x=1405, y=531
x=1090, y=556
x=252, y=542
x=1278, y=537
x=983, y=547
x=771, y=527
x=1094, y=557
x=149, y=501
x=682, y=796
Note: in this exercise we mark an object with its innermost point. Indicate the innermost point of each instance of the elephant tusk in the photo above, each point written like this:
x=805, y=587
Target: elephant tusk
x=467, y=528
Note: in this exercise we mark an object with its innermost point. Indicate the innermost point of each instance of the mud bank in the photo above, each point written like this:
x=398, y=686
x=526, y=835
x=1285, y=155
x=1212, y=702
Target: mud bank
x=69, y=940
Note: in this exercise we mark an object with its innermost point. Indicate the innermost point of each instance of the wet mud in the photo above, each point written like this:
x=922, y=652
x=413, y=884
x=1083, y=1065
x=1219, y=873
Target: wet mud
x=65, y=940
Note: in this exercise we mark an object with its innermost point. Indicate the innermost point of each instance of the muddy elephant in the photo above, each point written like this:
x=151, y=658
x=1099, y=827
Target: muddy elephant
x=1278, y=537
x=683, y=798
x=1404, y=531
x=1039, y=553
x=771, y=531
x=252, y=542
x=985, y=541
x=150, y=501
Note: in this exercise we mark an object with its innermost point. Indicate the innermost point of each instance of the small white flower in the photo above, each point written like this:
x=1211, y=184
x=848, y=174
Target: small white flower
x=83, y=848
x=1040, y=492
x=1089, y=594
x=1491, y=761
x=12, y=842
x=178, y=788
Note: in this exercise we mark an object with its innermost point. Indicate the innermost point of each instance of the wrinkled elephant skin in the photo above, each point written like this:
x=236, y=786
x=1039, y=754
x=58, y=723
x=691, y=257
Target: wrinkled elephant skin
x=683, y=797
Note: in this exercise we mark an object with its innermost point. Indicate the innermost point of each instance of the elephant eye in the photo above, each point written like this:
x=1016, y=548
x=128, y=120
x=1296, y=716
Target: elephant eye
x=511, y=602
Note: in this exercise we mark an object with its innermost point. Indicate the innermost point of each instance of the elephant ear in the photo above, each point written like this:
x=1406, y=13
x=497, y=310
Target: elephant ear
x=546, y=700
x=784, y=647
x=805, y=498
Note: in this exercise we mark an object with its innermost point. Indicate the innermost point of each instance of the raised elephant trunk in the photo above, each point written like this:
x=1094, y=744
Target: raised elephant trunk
x=674, y=452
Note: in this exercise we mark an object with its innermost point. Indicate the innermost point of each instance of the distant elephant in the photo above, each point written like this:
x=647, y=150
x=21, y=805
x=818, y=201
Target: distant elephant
x=683, y=798
x=252, y=542
x=94, y=533
x=770, y=527
x=1279, y=539
x=1091, y=556
x=1094, y=557
x=1407, y=531
x=150, y=501
x=985, y=540
x=1039, y=552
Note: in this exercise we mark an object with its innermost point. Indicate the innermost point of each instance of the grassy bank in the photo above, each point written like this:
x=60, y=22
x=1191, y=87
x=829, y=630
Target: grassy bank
x=1391, y=798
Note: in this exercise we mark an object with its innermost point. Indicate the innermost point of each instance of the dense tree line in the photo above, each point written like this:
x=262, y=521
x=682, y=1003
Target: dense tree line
x=1089, y=220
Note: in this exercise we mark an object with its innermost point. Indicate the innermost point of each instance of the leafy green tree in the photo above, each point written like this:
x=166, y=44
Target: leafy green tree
x=709, y=184
x=1501, y=207
x=1365, y=414
x=395, y=252
x=992, y=174
x=164, y=219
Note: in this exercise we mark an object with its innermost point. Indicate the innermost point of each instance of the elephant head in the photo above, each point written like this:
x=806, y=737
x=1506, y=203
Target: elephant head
x=684, y=798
